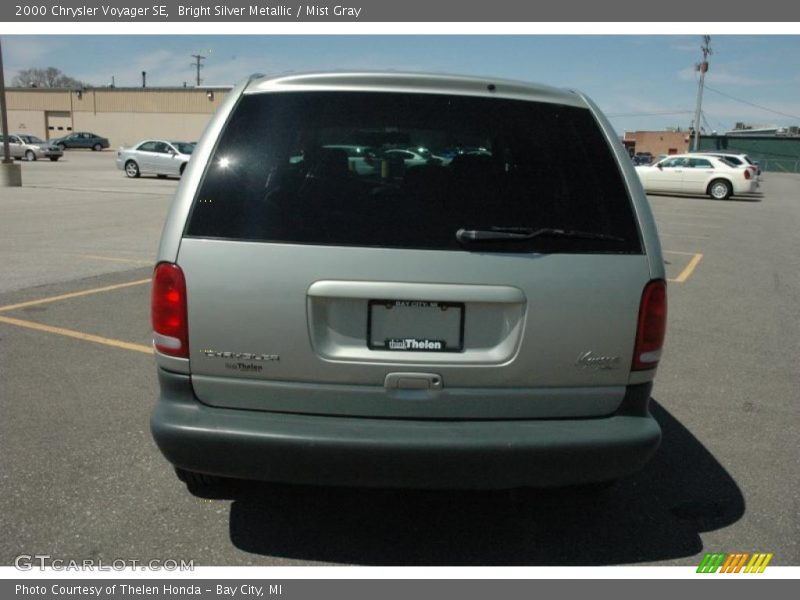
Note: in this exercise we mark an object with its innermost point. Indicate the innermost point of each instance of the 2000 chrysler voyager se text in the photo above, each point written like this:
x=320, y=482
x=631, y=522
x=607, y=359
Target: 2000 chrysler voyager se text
x=484, y=317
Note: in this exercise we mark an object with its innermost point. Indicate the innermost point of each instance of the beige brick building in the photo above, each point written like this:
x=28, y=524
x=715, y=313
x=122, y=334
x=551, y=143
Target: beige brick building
x=657, y=142
x=123, y=115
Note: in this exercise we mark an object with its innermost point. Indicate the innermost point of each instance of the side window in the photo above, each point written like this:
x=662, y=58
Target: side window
x=161, y=148
x=147, y=147
x=700, y=163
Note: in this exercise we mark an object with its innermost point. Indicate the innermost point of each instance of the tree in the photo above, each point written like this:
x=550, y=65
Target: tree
x=45, y=78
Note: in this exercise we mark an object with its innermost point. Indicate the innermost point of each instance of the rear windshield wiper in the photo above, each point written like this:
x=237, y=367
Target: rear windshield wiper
x=521, y=234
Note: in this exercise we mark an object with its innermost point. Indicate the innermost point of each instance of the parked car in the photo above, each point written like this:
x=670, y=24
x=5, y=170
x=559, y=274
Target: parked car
x=81, y=139
x=363, y=159
x=30, y=147
x=698, y=174
x=157, y=157
x=413, y=157
x=494, y=322
x=642, y=158
x=740, y=160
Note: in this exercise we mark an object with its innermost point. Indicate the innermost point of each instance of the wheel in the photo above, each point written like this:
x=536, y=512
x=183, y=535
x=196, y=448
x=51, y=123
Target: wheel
x=719, y=189
x=62, y=147
x=199, y=480
x=30, y=155
x=132, y=169
x=54, y=158
x=183, y=167
x=97, y=147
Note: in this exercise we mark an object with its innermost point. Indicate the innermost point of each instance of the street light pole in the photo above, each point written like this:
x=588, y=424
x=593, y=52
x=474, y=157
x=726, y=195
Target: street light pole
x=702, y=67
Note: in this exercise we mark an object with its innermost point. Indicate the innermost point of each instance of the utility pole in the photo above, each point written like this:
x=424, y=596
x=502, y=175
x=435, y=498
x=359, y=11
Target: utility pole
x=197, y=58
x=10, y=173
x=703, y=68
x=3, y=113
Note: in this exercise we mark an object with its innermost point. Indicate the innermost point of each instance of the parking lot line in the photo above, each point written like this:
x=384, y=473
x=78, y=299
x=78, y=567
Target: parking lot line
x=689, y=269
x=78, y=335
x=88, y=292
x=681, y=235
x=115, y=259
x=678, y=224
x=682, y=213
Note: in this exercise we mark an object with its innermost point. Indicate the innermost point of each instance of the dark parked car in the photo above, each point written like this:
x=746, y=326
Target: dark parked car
x=81, y=139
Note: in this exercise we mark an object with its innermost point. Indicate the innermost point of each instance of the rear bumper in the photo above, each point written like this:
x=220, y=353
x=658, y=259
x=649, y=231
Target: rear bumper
x=401, y=453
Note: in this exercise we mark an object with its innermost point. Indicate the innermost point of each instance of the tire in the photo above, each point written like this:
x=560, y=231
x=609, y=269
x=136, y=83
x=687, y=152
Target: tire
x=132, y=169
x=54, y=158
x=30, y=155
x=97, y=148
x=62, y=147
x=720, y=189
x=199, y=480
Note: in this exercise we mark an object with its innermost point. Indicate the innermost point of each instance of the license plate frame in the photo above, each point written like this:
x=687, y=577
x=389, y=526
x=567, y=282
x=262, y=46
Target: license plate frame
x=428, y=345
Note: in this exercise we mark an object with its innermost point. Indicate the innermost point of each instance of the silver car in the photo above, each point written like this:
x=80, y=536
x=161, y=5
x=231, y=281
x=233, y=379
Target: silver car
x=156, y=157
x=30, y=148
x=493, y=322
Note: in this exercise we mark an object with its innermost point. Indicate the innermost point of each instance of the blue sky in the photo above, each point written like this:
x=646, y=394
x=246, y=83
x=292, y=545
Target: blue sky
x=634, y=79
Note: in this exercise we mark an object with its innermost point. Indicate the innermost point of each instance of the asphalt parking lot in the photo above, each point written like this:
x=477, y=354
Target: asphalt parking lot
x=82, y=477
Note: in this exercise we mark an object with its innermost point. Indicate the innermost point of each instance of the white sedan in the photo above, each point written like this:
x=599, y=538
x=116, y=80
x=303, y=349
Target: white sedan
x=697, y=174
x=159, y=157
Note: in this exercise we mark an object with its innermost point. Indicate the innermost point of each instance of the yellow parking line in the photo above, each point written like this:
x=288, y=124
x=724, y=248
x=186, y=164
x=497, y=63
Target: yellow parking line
x=107, y=288
x=679, y=252
x=681, y=224
x=680, y=235
x=86, y=337
x=677, y=213
x=686, y=273
x=114, y=259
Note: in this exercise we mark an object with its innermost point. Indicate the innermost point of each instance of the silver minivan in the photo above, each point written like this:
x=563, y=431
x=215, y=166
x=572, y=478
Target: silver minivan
x=487, y=319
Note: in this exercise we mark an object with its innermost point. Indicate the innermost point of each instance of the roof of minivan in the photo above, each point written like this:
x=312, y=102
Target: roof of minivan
x=431, y=83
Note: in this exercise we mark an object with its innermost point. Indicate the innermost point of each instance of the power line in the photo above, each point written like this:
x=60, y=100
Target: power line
x=649, y=114
x=777, y=112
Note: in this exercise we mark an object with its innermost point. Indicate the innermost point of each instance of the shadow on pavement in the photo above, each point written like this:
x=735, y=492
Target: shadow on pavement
x=655, y=515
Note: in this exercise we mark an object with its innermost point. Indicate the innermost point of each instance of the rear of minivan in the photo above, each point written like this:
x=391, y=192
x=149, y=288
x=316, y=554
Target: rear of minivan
x=492, y=319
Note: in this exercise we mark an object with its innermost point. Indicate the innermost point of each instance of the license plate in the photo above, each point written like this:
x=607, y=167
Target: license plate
x=415, y=326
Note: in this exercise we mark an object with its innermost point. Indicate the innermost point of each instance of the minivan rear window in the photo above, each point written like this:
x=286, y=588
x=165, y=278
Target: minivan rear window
x=399, y=170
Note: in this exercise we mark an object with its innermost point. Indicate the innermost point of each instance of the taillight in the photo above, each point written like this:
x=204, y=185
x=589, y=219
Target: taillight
x=168, y=311
x=747, y=174
x=652, y=326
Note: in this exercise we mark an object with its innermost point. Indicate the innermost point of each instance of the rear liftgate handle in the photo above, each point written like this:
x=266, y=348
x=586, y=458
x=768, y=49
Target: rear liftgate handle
x=413, y=381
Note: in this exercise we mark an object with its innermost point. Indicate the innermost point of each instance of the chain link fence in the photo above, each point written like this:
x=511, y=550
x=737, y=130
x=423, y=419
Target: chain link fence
x=778, y=165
